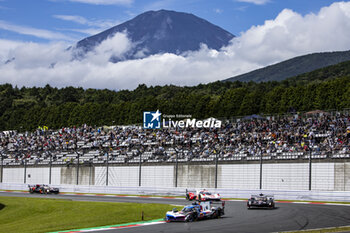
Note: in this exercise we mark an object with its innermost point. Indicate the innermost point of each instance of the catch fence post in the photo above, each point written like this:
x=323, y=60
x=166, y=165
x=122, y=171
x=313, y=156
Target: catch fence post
x=216, y=170
x=176, y=167
x=261, y=164
x=77, y=168
x=25, y=170
x=107, y=166
x=50, y=171
x=139, y=169
x=310, y=167
x=90, y=174
x=2, y=167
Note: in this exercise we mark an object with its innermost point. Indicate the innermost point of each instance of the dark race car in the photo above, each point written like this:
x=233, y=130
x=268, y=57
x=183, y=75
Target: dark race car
x=43, y=189
x=196, y=211
x=261, y=200
x=202, y=195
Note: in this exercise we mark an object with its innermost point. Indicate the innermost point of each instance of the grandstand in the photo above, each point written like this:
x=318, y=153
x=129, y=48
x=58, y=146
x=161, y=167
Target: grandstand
x=282, y=138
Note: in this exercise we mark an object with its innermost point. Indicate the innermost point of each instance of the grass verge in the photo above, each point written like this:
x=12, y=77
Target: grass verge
x=45, y=215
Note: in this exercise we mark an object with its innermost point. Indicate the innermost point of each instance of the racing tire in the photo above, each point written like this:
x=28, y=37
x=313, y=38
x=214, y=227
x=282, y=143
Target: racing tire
x=222, y=212
x=31, y=191
x=187, y=197
x=216, y=214
x=189, y=218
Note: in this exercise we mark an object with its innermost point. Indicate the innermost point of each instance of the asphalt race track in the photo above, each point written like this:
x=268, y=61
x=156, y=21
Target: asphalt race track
x=238, y=218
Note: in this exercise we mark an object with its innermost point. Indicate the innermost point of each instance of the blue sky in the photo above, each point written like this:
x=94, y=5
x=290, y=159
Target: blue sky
x=35, y=35
x=72, y=20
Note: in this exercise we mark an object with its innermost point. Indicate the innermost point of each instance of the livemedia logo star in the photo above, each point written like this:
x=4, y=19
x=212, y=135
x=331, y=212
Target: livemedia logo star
x=151, y=120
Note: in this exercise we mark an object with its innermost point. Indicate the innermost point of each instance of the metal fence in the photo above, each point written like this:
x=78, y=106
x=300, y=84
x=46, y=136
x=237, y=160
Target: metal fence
x=280, y=171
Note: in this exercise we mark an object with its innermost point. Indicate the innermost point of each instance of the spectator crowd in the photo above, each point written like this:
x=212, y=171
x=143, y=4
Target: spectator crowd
x=322, y=133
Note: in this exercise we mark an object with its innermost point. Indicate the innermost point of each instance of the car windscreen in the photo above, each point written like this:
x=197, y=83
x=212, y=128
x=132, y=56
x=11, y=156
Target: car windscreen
x=187, y=209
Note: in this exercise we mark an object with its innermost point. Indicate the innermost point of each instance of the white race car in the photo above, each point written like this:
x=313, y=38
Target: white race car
x=202, y=195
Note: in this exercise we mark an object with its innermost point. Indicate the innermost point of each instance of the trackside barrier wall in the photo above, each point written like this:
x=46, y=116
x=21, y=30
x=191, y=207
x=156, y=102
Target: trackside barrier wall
x=326, y=176
x=225, y=193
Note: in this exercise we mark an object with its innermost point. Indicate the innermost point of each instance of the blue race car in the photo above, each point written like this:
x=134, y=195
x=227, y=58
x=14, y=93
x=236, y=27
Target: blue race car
x=196, y=211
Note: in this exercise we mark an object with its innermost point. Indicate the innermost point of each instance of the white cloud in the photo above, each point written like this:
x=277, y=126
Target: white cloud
x=218, y=11
x=241, y=8
x=32, y=55
x=288, y=35
x=291, y=34
x=105, y=2
x=83, y=21
x=5, y=47
x=73, y=18
x=256, y=2
x=95, y=26
x=115, y=46
x=86, y=31
x=40, y=33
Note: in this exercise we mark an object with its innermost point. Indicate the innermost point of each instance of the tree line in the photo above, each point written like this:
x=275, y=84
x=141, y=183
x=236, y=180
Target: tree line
x=27, y=108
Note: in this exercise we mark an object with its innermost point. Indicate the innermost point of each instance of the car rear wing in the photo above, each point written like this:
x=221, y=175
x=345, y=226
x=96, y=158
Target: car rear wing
x=259, y=195
x=223, y=204
x=216, y=203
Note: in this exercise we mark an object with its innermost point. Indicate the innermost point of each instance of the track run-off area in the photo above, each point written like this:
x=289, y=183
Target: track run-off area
x=287, y=216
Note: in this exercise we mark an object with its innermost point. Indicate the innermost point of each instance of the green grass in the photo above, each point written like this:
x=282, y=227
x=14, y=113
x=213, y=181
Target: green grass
x=43, y=215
